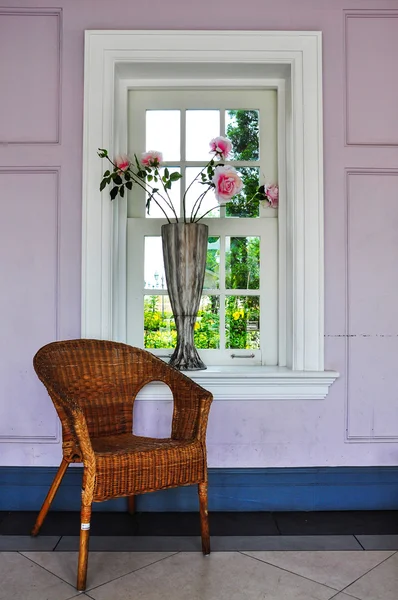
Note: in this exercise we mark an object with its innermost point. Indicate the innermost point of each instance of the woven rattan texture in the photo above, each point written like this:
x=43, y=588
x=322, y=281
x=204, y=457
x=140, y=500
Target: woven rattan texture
x=93, y=384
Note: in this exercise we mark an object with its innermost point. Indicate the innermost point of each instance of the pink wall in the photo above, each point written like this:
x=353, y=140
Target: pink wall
x=41, y=102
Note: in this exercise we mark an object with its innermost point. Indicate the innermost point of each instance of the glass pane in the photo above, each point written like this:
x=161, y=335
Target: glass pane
x=207, y=326
x=159, y=327
x=212, y=281
x=163, y=133
x=201, y=127
x=242, y=322
x=242, y=129
x=242, y=263
x=246, y=204
x=163, y=199
x=194, y=204
x=153, y=264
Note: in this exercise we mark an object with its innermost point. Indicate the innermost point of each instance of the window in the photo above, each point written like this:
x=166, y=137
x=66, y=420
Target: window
x=291, y=62
x=238, y=312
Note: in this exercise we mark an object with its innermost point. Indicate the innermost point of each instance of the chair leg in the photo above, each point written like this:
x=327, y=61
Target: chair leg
x=131, y=505
x=85, y=517
x=204, y=518
x=50, y=496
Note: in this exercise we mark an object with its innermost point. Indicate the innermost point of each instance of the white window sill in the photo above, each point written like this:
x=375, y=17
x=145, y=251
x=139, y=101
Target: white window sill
x=253, y=383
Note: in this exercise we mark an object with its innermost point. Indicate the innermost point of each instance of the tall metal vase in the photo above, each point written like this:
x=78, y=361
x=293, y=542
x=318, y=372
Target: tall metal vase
x=184, y=254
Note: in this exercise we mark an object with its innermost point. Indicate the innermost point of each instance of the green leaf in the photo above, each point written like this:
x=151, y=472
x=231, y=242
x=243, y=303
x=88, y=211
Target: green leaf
x=155, y=179
x=166, y=173
x=129, y=185
x=137, y=162
x=103, y=184
x=168, y=185
x=114, y=192
x=175, y=176
x=164, y=178
x=118, y=180
x=149, y=178
x=127, y=176
x=107, y=173
x=121, y=191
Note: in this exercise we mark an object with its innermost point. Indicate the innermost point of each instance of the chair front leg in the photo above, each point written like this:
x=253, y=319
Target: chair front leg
x=131, y=505
x=204, y=517
x=85, y=518
x=50, y=496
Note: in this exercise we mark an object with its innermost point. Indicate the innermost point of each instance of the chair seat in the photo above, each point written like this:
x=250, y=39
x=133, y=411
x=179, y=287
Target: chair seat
x=128, y=464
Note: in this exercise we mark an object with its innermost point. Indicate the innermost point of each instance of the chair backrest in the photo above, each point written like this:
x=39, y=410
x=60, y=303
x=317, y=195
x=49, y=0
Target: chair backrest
x=102, y=377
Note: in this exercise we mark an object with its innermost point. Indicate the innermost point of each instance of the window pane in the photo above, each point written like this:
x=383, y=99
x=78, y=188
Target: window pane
x=242, y=263
x=207, y=326
x=193, y=204
x=173, y=197
x=212, y=281
x=163, y=133
x=159, y=327
x=246, y=204
x=153, y=264
x=201, y=127
x=242, y=322
x=242, y=129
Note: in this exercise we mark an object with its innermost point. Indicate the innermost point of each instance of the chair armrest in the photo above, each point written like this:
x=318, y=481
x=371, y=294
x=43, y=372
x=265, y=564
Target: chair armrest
x=191, y=408
x=76, y=422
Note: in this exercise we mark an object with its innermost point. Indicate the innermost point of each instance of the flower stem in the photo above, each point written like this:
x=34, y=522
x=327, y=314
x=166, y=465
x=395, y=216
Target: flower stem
x=209, y=211
x=186, y=191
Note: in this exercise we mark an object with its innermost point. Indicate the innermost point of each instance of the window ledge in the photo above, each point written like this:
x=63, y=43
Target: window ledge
x=254, y=383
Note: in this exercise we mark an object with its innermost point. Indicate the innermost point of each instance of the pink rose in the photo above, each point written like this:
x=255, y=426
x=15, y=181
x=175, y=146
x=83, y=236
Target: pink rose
x=122, y=162
x=272, y=193
x=152, y=158
x=227, y=183
x=221, y=146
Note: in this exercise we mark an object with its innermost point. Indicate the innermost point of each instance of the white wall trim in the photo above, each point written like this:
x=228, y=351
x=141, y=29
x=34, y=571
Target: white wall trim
x=111, y=57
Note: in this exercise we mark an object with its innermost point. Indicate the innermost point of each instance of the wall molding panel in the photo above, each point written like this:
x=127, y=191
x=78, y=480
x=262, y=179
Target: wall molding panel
x=46, y=327
x=353, y=337
x=371, y=102
x=30, y=103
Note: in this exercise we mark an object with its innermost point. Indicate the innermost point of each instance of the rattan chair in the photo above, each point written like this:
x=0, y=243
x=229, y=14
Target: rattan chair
x=93, y=385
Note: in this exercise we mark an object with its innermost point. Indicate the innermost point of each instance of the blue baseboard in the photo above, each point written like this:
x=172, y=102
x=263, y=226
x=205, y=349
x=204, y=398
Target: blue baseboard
x=277, y=489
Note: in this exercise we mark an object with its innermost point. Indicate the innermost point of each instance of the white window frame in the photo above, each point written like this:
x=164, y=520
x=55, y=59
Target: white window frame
x=265, y=227
x=116, y=60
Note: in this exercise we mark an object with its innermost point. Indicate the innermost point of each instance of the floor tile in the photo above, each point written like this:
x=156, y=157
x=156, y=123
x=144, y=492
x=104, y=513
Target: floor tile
x=218, y=543
x=343, y=596
x=313, y=542
x=221, y=576
x=133, y=544
x=221, y=523
x=359, y=522
x=68, y=523
x=102, y=566
x=334, y=569
x=379, y=584
x=24, y=580
x=26, y=543
x=378, y=542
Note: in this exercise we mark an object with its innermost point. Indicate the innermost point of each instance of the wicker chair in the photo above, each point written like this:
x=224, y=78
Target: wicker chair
x=93, y=384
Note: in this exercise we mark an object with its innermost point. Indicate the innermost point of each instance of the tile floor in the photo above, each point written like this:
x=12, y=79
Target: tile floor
x=153, y=556
x=249, y=575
